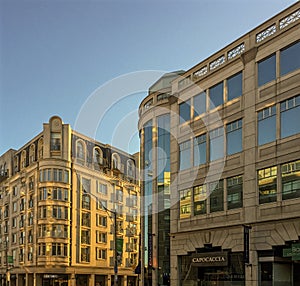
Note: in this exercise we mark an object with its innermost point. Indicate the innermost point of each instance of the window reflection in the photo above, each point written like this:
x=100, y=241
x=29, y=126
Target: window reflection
x=290, y=59
x=216, y=96
x=266, y=70
x=267, y=125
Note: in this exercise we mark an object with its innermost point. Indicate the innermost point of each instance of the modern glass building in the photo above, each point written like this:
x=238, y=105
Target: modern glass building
x=155, y=134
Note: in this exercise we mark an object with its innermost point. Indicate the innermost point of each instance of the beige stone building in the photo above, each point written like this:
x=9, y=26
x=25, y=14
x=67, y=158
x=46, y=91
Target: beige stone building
x=64, y=200
x=234, y=163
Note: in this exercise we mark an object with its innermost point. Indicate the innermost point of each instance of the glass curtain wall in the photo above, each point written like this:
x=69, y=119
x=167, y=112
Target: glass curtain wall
x=163, y=188
x=148, y=200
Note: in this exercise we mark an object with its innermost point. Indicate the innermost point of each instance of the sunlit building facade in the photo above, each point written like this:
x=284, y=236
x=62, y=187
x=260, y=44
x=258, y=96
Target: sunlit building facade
x=59, y=194
x=234, y=163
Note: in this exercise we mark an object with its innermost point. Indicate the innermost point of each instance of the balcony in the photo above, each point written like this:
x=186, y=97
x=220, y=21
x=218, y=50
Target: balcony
x=131, y=247
x=131, y=231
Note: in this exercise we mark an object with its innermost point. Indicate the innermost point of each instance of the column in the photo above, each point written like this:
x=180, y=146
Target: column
x=92, y=280
x=72, y=281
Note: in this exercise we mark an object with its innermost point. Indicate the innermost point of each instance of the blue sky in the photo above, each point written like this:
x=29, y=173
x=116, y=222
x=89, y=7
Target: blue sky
x=55, y=54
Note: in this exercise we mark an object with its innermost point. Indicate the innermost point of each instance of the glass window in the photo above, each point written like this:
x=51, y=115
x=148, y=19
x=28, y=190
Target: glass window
x=235, y=86
x=290, y=180
x=266, y=70
x=200, y=197
x=101, y=204
x=116, y=161
x=200, y=103
x=267, y=185
x=57, y=175
x=200, y=150
x=101, y=253
x=216, y=196
x=85, y=236
x=85, y=254
x=98, y=156
x=290, y=117
x=185, y=155
x=86, y=219
x=119, y=195
x=101, y=188
x=162, y=96
x=45, y=175
x=184, y=111
x=130, y=168
x=234, y=192
x=234, y=137
x=267, y=125
x=86, y=201
x=163, y=144
x=290, y=59
x=80, y=150
x=66, y=176
x=216, y=143
x=266, y=273
x=86, y=185
x=148, y=104
x=101, y=220
x=55, y=141
x=185, y=203
x=216, y=96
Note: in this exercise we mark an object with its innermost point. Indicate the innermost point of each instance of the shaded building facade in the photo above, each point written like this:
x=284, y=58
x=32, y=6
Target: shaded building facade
x=234, y=161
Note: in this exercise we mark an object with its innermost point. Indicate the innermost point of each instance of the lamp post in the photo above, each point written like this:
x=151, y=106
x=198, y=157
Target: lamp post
x=115, y=249
x=7, y=268
x=115, y=254
x=114, y=214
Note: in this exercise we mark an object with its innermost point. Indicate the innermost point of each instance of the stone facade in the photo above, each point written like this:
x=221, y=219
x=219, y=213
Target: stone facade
x=59, y=193
x=205, y=219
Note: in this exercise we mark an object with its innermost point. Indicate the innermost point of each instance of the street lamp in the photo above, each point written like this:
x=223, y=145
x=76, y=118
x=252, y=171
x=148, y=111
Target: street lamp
x=114, y=214
x=115, y=254
x=7, y=267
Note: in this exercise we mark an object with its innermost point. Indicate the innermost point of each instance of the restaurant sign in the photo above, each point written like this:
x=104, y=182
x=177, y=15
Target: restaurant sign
x=210, y=259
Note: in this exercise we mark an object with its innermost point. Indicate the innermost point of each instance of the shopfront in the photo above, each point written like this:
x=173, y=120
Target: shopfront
x=280, y=266
x=55, y=280
x=217, y=268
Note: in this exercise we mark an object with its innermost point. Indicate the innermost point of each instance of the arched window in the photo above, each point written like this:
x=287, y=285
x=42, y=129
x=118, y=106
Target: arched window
x=23, y=159
x=98, y=156
x=80, y=150
x=16, y=163
x=32, y=153
x=116, y=162
x=40, y=148
x=130, y=168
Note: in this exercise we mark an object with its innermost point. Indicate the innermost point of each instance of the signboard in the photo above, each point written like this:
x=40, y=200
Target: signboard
x=119, y=249
x=287, y=252
x=296, y=251
x=293, y=252
x=246, y=243
x=50, y=276
x=210, y=259
x=10, y=259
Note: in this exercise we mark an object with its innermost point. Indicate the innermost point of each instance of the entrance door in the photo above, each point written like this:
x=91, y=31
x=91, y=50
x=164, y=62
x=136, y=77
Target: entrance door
x=214, y=279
